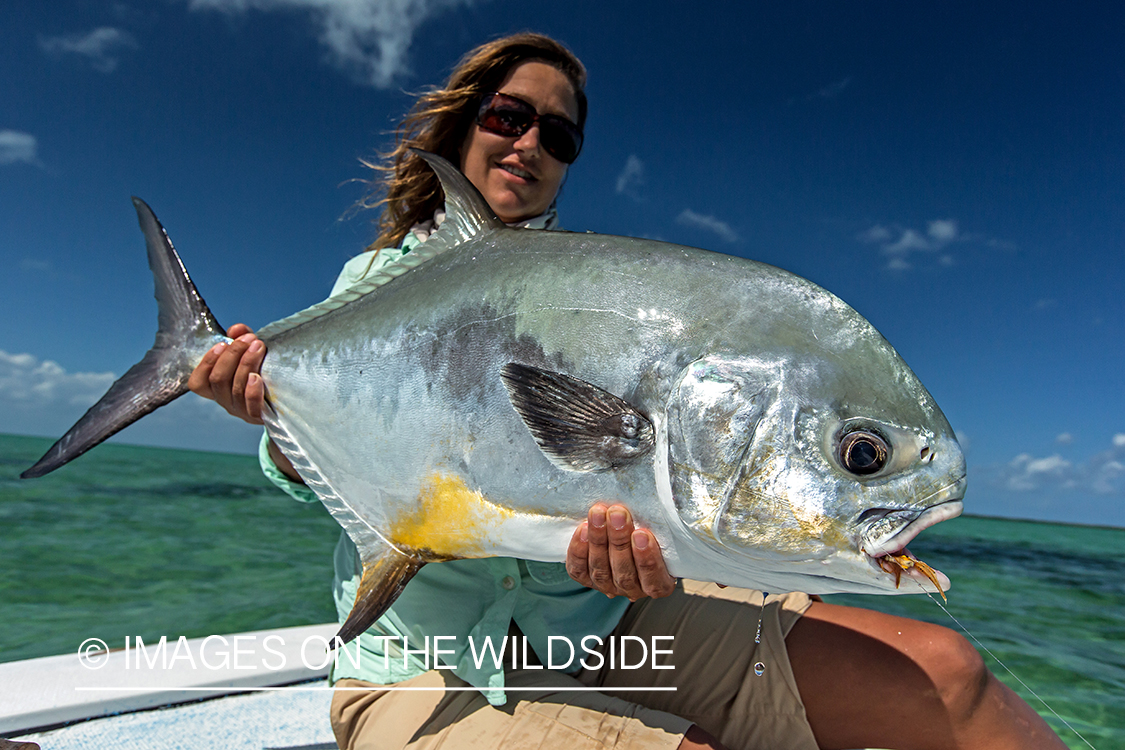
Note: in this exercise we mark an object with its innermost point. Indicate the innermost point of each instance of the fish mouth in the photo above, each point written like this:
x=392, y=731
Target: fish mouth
x=897, y=541
x=889, y=553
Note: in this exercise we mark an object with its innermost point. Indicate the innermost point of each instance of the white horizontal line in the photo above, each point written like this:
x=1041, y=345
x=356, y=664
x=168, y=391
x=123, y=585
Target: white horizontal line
x=543, y=688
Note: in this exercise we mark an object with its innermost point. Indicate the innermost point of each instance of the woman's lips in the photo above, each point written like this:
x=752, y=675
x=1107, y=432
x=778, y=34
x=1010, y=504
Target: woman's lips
x=523, y=174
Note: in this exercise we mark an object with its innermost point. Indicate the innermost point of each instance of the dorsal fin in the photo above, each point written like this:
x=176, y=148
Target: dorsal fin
x=466, y=212
x=466, y=216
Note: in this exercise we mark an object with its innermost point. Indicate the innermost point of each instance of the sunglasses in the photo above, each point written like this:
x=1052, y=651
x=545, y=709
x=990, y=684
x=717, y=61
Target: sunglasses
x=511, y=117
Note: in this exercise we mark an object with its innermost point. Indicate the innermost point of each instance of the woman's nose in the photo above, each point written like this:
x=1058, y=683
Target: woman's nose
x=529, y=141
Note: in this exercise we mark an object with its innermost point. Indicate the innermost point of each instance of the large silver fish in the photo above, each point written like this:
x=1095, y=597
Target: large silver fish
x=477, y=398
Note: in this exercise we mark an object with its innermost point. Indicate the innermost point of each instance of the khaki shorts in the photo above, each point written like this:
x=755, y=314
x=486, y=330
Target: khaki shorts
x=717, y=687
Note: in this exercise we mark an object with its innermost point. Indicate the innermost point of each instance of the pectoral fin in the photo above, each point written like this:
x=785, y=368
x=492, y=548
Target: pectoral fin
x=384, y=578
x=578, y=426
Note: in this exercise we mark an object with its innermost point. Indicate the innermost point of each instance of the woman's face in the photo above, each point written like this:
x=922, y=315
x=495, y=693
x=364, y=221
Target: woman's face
x=516, y=176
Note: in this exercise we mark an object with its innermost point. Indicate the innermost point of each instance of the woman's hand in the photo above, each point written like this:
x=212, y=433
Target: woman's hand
x=609, y=554
x=229, y=375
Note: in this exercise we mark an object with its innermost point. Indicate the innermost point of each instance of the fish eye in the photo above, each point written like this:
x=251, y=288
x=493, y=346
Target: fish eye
x=863, y=453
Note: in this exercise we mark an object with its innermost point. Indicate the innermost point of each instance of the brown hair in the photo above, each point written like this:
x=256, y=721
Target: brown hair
x=440, y=120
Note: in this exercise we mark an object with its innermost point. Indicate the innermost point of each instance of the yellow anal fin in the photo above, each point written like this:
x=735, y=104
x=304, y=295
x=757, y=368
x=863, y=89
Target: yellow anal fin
x=450, y=520
x=384, y=578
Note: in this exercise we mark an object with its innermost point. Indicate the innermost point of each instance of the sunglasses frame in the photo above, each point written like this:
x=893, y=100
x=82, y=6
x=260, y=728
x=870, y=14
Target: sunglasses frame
x=556, y=125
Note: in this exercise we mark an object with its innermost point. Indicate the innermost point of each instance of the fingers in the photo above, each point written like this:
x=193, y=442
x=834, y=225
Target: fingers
x=609, y=554
x=655, y=580
x=224, y=390
x=249, y=399
x=619, y=532
x=199, y=382
x=576, y=556
x=228, y=375
x=638, y=566
x=256, y=394
x=597, y=558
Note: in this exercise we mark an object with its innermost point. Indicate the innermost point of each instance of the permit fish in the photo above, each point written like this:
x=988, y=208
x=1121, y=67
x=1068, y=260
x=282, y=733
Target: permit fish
x=477, y=397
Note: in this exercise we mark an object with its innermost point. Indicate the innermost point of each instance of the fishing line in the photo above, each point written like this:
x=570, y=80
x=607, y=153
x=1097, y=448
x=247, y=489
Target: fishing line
x=1005, y=666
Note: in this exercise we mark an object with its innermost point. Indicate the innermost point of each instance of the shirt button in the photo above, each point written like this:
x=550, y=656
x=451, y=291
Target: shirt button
x=508, y=583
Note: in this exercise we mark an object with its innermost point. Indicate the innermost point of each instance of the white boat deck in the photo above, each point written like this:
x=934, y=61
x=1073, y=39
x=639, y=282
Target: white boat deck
x=276, y=695
x=281, y=720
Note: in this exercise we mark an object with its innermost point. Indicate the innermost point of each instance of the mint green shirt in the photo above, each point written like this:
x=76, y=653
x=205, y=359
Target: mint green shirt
x=465, y=604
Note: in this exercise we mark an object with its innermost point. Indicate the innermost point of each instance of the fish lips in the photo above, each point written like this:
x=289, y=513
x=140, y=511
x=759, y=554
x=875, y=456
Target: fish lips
x=949, y=506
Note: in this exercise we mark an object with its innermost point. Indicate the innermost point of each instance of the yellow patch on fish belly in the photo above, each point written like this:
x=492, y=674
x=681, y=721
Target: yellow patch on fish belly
x=450, y=519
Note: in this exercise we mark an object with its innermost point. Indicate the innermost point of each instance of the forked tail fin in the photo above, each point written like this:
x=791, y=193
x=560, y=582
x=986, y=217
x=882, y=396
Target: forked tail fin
x=187, y=329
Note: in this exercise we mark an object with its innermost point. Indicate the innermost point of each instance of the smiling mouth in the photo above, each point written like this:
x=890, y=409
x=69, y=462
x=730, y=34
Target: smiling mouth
x=521, y=173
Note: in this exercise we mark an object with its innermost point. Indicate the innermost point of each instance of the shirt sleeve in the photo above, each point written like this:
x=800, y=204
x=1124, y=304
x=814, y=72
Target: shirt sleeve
x=366, y=263
x=295, y=490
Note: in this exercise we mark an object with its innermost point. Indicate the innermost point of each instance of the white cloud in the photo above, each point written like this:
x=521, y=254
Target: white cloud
x=832, y=90
x=39, y=397
x=829, y=92
x=1103, y=473
x=1028, y=473
x=368, y=38
x=877, y=233
x=34, y=264
x=690, y=218
x=1107, y=478
x=16, y=147
x=25, y=381
x=900, y=244
x=1000, y=244
x=1064, y=438
x=632, y=178
x=942, y=230
x=1055, y=465
x=97, y=46
x=910, y=240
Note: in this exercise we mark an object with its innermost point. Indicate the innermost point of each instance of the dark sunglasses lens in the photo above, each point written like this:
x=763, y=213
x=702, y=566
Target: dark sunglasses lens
x=511, y=117
x=505, y=116
x=560, y=139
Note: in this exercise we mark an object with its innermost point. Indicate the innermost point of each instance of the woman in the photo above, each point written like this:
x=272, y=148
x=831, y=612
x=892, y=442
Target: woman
x=511, y=116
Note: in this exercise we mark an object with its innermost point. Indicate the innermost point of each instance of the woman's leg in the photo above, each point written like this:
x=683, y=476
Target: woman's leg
x=869, y=679
x=741, y=693
x=553, y=716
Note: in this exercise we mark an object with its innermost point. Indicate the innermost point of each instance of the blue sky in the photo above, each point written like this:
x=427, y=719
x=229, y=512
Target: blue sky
x=955, y=171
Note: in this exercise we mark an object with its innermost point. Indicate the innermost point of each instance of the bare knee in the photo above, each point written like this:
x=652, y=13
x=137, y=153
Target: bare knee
x=960, y=677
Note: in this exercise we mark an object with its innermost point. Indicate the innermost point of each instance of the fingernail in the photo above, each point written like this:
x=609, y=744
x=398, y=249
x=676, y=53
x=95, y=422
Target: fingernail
x=256, y=346
x=617, y=518
x=584, y=533
x=597, y=517
x=640, y=540
x=246, y=337
x=218, y=348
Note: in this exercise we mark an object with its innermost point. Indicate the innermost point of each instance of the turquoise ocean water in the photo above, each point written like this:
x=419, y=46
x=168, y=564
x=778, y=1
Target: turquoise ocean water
x=150, y=542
